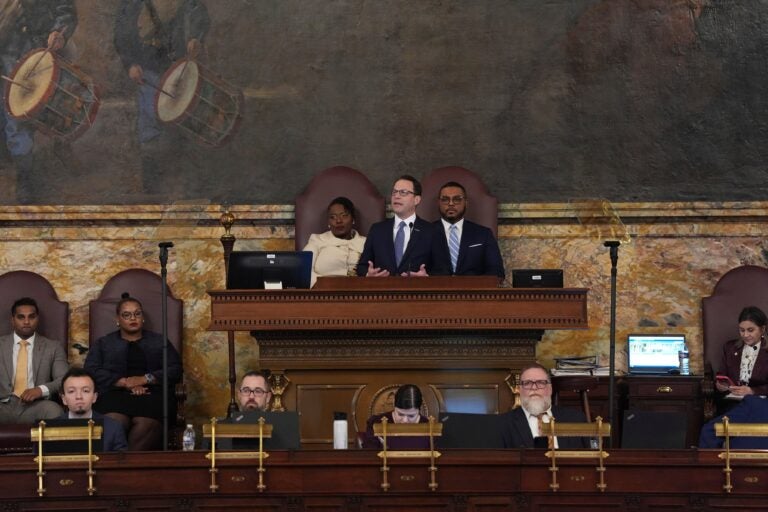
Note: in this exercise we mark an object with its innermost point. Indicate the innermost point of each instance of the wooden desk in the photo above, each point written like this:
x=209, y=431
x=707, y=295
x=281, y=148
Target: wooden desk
x=672, y=393
x=343, y=345
x=503, y=480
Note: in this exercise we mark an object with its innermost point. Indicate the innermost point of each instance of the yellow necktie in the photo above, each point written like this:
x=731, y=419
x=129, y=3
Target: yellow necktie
x=20, y=382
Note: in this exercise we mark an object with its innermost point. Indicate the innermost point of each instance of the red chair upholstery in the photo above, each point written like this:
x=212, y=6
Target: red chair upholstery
x=327, y=185
x=483, y=206
x=145, y=286
x=738, y=288
x=54, y=314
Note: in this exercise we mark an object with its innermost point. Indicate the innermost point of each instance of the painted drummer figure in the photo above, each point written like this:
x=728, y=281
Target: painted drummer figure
x=25, y=25
x=150, y=35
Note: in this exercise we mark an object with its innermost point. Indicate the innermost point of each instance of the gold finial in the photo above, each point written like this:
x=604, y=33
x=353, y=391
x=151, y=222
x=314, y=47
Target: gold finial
x=227, y=219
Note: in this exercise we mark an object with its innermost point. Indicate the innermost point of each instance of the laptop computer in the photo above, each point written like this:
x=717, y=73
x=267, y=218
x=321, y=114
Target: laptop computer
x=537, y=278
x=466, y=430
x=654, y=354
x=285, y=430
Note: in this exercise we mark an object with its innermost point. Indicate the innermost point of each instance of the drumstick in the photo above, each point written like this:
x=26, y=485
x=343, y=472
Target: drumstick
x=14, y=82
x=159, y=89
x=63, y=31
x=42, y=54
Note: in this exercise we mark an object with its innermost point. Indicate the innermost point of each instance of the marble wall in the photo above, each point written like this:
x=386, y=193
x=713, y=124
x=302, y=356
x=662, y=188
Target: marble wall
x=674, y=255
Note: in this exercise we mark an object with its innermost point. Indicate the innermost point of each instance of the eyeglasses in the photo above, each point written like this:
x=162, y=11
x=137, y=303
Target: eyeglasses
x=402, y=192
x=534, y=384
x=449, y=200
x=254, y=392
x=131, y=314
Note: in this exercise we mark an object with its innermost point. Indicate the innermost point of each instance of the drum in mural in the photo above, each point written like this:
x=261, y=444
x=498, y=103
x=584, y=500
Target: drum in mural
x=54, y=95
x=202, y=105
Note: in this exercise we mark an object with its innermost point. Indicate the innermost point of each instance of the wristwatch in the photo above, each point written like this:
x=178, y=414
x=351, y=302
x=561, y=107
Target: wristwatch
x=150, y=378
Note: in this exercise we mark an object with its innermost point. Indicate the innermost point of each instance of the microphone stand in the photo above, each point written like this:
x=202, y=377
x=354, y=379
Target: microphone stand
x=164, y=246
x=613, y=245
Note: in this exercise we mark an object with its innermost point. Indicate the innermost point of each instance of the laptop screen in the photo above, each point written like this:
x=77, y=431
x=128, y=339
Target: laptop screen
x=654, y=353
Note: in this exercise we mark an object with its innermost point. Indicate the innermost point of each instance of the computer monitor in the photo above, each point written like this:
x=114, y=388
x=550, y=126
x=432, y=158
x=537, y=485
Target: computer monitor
x=654, y=354
x=269, y=269
x=537, y=278
x=285, y=431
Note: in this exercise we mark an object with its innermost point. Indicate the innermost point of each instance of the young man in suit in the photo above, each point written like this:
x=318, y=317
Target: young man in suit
x=78, y=394
x=462, y=247
x=31, y=368
x=520, y=426
x=402, y=245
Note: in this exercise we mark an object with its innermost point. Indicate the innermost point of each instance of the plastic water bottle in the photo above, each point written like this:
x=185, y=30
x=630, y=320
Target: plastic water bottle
x=340, y=431
x=188, y=438
x=685, y=368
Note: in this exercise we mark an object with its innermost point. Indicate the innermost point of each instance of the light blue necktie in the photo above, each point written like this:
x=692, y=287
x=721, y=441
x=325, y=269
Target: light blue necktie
x=400, y=243
x=453, y=246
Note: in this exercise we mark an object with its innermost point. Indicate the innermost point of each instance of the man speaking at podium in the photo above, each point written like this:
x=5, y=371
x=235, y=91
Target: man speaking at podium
x=400, y=246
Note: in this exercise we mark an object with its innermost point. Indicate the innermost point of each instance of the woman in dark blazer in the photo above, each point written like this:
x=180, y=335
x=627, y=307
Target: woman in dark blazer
x=745, y=359
x=128, y=367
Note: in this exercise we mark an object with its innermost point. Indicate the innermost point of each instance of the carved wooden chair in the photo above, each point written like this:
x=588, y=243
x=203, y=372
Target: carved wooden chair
x=54, y=324
x=145, y=286
x=327, y=185
x=483, y=206
x=736, y=289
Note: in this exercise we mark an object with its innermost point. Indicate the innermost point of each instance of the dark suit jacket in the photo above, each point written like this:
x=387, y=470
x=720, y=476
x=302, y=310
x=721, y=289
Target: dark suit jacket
x=380, y=248
x=108, y=361
x=731, y=362
x=49, y=361
x=517, y=434
x=113, y=437
x=752, y=409
x=479, y=253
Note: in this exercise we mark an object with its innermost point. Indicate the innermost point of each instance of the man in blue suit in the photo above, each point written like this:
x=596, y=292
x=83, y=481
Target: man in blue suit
x=402, y=245
x=461, y=247
x=752, y=409
x=78, y=394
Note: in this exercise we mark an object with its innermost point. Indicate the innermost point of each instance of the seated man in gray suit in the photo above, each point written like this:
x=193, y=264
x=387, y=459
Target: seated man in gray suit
x=31, y=368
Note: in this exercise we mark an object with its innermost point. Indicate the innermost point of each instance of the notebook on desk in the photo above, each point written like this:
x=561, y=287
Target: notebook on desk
x=654, y=354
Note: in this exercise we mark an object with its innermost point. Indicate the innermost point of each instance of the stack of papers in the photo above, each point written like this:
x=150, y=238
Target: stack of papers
x=584, y=365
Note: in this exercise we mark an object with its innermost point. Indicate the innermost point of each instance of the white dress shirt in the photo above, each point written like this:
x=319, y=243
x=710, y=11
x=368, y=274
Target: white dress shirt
x=409, y=223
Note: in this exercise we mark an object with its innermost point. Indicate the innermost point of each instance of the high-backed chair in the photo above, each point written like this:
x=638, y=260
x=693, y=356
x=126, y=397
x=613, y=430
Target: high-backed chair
x=54, y=324
x=736, y=289
x=145, y=286
x=327, y=185
x=483, y=206
x=54, y=314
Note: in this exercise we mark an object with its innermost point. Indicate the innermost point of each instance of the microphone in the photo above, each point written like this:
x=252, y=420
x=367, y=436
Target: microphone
x=165, y=245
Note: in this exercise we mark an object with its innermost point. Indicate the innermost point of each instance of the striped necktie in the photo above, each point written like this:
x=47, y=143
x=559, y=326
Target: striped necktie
x=20, y=381
x=453, y=246
x=400, y=243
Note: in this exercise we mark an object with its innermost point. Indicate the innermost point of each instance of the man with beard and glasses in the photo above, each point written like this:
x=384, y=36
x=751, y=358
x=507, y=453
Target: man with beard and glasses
x=254, y=393
x=521, y=426
x=78, y=394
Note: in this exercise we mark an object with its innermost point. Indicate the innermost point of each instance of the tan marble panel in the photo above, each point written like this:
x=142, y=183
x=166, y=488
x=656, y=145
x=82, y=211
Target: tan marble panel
x=675, y=255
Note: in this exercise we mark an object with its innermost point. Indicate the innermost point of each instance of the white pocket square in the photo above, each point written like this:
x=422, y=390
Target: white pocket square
x=475, y=245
